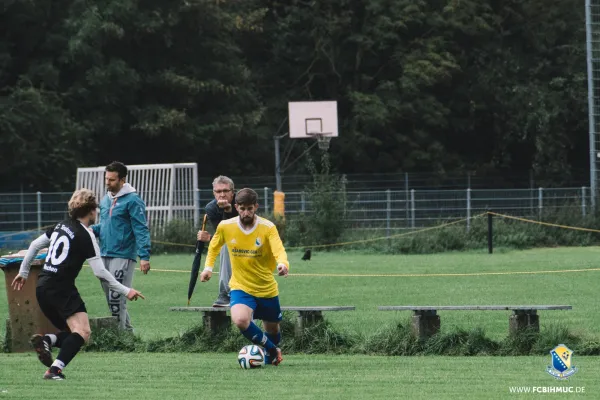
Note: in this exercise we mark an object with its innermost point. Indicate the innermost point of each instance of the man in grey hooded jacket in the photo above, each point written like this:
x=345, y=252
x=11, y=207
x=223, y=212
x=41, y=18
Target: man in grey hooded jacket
x=124, y=235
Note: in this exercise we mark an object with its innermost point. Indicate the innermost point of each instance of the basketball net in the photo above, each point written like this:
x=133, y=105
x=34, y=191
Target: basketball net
x=322, y=140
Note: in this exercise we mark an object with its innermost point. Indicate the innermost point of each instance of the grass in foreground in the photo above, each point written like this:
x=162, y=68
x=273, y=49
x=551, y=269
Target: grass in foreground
x=217, y=376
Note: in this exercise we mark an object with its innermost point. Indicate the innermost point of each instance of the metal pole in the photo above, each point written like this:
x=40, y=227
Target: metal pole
x=171, y=198
x=468, y=209
x=540, y=202
x=199, y=191
x=583, y=210
x=388, y=212
x=196, y=195
x=197, y=206
x=591, y=105
x=22, y=209
x=266, y=191
x=490, y=234
x=406, y=195
x=277, y=164
x=412, y=208
x=531, y=190
x=39, y=211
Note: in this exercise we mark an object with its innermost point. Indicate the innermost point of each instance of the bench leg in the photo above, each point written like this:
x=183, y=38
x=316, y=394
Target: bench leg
x=306, y=319
x=216, y=321
x=425, y=324
x=523, y=319
x=99, y=323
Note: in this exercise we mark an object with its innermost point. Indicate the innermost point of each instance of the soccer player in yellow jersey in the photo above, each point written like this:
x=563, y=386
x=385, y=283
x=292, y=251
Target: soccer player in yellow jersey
x=255, y=250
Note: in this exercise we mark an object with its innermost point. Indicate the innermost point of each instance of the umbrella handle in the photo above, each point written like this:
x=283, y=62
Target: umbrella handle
x=200, y=244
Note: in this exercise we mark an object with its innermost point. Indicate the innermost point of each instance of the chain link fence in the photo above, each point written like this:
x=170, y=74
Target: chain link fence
x=387, y=210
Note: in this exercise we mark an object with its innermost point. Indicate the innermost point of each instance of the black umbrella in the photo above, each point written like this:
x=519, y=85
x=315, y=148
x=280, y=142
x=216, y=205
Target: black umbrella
x=196, y=264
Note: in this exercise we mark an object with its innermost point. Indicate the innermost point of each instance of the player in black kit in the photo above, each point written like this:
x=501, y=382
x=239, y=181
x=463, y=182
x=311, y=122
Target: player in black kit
x=69, y=243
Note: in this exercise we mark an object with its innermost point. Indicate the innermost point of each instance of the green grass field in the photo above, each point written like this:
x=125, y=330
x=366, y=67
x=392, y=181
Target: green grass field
x=329, y=284
x=540, y=276
x=216, y=376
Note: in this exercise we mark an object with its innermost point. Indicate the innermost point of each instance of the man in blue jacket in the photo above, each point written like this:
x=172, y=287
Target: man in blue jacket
x=124, y=235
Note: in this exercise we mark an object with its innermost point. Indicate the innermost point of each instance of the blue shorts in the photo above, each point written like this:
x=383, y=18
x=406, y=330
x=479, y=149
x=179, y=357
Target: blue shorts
x=266, y=309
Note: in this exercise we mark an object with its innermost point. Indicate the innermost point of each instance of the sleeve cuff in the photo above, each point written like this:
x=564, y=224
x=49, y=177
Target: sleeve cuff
x=208, y=269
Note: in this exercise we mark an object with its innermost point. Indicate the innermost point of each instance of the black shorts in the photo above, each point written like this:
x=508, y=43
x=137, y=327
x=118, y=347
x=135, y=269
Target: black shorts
x=59, y=304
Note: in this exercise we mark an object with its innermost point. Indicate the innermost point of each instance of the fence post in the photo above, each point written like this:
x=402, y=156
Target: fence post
x=266, y=191
x=406, y=195
x=583, y=210
x=302, y=202
x=531, y=190
x=540, y=202
x=490, y=233
x=196, y=193
x=22, y=209
x=388, y=212
x=200, y=199
x=39, y=211
x=171, y=198
x=468, y=209
x=412, y=208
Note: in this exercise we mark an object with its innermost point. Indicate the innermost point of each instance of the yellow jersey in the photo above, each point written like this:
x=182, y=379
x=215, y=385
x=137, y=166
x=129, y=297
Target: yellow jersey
x=254, y=255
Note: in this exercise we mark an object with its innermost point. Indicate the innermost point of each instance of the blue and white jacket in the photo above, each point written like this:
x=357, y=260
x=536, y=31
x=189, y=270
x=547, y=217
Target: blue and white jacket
x=123, y=229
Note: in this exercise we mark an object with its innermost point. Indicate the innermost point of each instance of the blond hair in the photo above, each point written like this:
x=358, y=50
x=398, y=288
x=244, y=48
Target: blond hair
x=82, y=203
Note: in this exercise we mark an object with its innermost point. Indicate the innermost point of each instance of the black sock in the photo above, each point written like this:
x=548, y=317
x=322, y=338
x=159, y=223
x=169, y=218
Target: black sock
x=60, y=338
x=70, y=347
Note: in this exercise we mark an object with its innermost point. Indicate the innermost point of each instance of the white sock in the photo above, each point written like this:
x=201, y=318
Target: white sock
x=58, y=364
x=52, y=338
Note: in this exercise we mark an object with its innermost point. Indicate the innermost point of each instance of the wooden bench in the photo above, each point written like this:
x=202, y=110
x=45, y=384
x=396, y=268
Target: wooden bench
x=426, y=322
x=216, y=319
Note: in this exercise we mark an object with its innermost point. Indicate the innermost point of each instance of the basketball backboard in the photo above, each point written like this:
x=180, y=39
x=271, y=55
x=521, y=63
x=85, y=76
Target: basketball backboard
x=313, y=119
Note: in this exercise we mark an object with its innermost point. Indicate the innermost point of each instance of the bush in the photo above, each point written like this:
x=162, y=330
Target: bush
x=395, y=340
x=323, y=338
x=461, y=343
x=327, y=196
x=108, y=340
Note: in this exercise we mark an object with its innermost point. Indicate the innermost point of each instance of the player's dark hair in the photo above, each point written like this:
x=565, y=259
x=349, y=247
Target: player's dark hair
x=246, y=197
x=82, y=203
x=117, y=167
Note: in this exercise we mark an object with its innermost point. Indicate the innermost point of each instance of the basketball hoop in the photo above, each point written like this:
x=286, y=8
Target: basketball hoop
x=323, y=139
x=323, y=142
x=313, y=120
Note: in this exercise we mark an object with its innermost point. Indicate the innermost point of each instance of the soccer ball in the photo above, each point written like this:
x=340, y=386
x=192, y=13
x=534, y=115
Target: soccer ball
x=251, y=356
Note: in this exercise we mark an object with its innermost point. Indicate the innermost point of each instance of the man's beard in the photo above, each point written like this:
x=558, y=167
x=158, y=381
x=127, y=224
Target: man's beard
x=247, y=220
x=113, y=189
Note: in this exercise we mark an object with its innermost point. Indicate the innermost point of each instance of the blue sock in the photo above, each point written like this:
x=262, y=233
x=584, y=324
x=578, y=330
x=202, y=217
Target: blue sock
x=256, y=336
x=274, y=337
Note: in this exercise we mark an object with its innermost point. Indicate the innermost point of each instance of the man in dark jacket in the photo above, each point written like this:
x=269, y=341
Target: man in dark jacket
x=219, y=209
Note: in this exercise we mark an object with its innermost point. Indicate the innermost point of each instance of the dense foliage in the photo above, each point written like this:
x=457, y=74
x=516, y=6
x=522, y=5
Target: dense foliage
x=422, y=85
